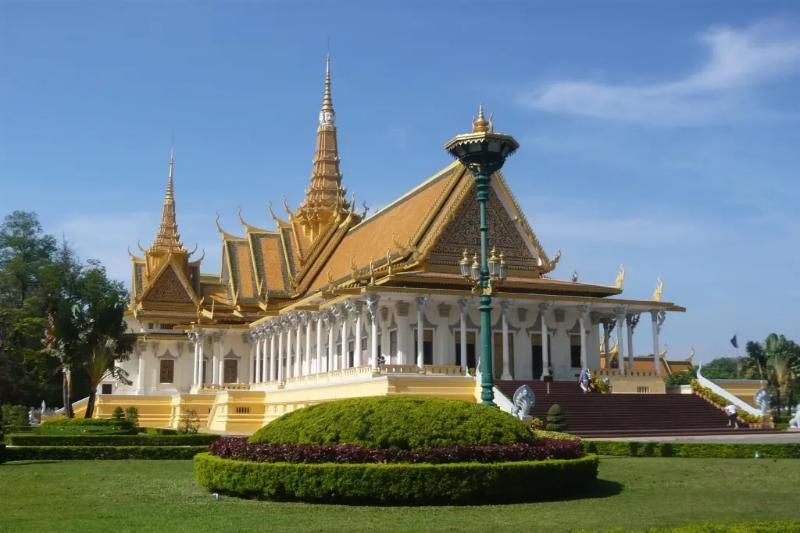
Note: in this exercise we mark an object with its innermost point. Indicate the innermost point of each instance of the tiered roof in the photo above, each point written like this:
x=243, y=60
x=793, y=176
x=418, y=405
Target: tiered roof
x=324, y=248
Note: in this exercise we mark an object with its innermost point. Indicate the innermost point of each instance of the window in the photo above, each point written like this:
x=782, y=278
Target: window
x=393, y=344
x=575, y=351
x=427, y=346
x=167, y=371
x=497, y=354
x=106, y=389
x=471, y=335
x=231, y=371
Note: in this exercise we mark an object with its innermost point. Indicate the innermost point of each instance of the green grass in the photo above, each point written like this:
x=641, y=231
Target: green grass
x=634, y=494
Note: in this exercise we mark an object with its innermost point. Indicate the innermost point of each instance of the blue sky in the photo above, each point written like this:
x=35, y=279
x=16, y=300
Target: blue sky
x=659, y=135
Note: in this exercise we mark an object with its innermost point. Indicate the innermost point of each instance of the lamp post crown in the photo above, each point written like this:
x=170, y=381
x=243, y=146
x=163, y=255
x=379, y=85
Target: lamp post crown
x=482, y=150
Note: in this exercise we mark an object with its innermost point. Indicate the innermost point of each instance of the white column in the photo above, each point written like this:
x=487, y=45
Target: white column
x=200, y=378
x=318, y=359
x=221, y=363
x=463, y=306
x=263, y=363
x=421, y=301
x=255, y=356
x=583, y=315
x=279, y=353
x=215, y=377
x=631, y=321
x=357, y=355
x=620, y=313
x=330, y=325
x=298, y=347
x=306, y=368
x=193, y=338
x=372, y=309
x=343, y=362
x=140, y=373
x=506, y=376
x=543, y=309
x=657, y=319
x=273, y=358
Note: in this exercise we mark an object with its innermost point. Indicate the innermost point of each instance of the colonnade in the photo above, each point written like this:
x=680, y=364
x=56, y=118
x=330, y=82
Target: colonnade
x=357, y=333
x=301, y=343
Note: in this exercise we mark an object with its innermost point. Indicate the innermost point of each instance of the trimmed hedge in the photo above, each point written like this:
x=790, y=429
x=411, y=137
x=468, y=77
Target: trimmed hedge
x=38, y=453
x=393, y=484
x=28, y=439
x=83, y=426
x=749, y=527
x=404, y=422
x=692, y=449
x=238, y=448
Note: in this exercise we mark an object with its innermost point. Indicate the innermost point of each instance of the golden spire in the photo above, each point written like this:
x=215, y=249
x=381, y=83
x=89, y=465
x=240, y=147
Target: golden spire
x=168, y=239
x=325, y=196
x=327, y=115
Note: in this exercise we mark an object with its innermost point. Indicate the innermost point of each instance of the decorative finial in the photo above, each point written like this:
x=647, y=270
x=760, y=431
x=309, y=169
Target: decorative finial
x=326, y=114
x=480, y=124
x=620, y=280
x=659, y=290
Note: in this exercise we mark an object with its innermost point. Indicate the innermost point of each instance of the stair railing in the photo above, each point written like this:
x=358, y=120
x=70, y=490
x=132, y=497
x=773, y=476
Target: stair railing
x=738, y=402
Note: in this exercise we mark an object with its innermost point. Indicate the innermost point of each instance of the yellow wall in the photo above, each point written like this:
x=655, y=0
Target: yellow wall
x=245, y=411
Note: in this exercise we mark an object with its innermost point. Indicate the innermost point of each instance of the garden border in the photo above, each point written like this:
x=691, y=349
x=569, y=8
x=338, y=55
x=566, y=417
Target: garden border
x=394, y=484
x=40, y=453
x=709, y=450
x=143, y=439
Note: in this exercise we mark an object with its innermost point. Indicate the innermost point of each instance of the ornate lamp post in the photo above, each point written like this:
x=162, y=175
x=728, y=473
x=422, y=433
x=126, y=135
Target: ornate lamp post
x=483, y=152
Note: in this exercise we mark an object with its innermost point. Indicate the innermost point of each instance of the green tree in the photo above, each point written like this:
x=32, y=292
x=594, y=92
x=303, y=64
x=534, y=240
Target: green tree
x=27, y=275
x=90, y=329
x=723, y=368
x=782, y=356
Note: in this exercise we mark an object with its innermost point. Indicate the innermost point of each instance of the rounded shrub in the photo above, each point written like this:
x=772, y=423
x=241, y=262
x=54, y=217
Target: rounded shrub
x=556, y=421
x=393, y=484
x=403, y=422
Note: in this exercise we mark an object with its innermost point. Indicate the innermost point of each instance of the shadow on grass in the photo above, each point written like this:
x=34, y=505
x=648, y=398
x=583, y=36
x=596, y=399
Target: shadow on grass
x=31, y=462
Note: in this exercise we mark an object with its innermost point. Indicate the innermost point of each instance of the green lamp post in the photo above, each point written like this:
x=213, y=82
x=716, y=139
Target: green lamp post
x=483, y=152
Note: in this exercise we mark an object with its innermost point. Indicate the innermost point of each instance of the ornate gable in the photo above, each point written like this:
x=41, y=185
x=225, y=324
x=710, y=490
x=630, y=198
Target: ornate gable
x=506, y=234
x=168, y=287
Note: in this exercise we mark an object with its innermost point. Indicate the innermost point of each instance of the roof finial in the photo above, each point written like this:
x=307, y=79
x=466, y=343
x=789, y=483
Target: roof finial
x=480, y=124
x=326, y=114
x=168, y=237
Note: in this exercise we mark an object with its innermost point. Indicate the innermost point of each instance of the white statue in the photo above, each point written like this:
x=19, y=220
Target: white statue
x=794, y=423
x=523, y=401
x=762, y=398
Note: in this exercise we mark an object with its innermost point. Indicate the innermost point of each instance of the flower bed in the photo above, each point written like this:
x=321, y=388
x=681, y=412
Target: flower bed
x=239, y=449
x=395, y=484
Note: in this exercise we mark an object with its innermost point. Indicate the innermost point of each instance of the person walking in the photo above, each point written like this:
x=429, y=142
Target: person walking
x=732, y=417
x=583, y=380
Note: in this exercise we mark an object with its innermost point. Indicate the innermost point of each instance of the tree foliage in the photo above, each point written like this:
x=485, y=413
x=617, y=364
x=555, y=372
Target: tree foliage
x=776, y=360
x=61, y=320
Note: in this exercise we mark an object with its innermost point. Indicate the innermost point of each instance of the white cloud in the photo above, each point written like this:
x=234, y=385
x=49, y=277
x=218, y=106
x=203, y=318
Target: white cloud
x=719, y=91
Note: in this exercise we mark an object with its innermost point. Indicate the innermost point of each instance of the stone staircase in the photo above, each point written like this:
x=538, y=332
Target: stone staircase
x=620, y=415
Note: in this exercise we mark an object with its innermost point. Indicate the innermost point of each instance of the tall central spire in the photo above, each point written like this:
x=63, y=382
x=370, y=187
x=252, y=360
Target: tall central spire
x=324, y=199
x=168, y=239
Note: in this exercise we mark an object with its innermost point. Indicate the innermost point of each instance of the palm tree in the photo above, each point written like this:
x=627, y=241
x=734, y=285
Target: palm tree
x=782, y=361
x=102, y=363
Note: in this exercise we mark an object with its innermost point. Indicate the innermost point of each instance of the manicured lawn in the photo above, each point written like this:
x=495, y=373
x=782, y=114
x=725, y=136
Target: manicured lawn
x=635, y=494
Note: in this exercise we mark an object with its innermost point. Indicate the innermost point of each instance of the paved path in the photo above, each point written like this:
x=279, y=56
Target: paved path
x=765, y=438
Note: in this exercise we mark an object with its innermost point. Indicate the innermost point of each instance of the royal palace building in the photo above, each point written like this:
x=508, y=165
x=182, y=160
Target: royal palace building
x=334, y=303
